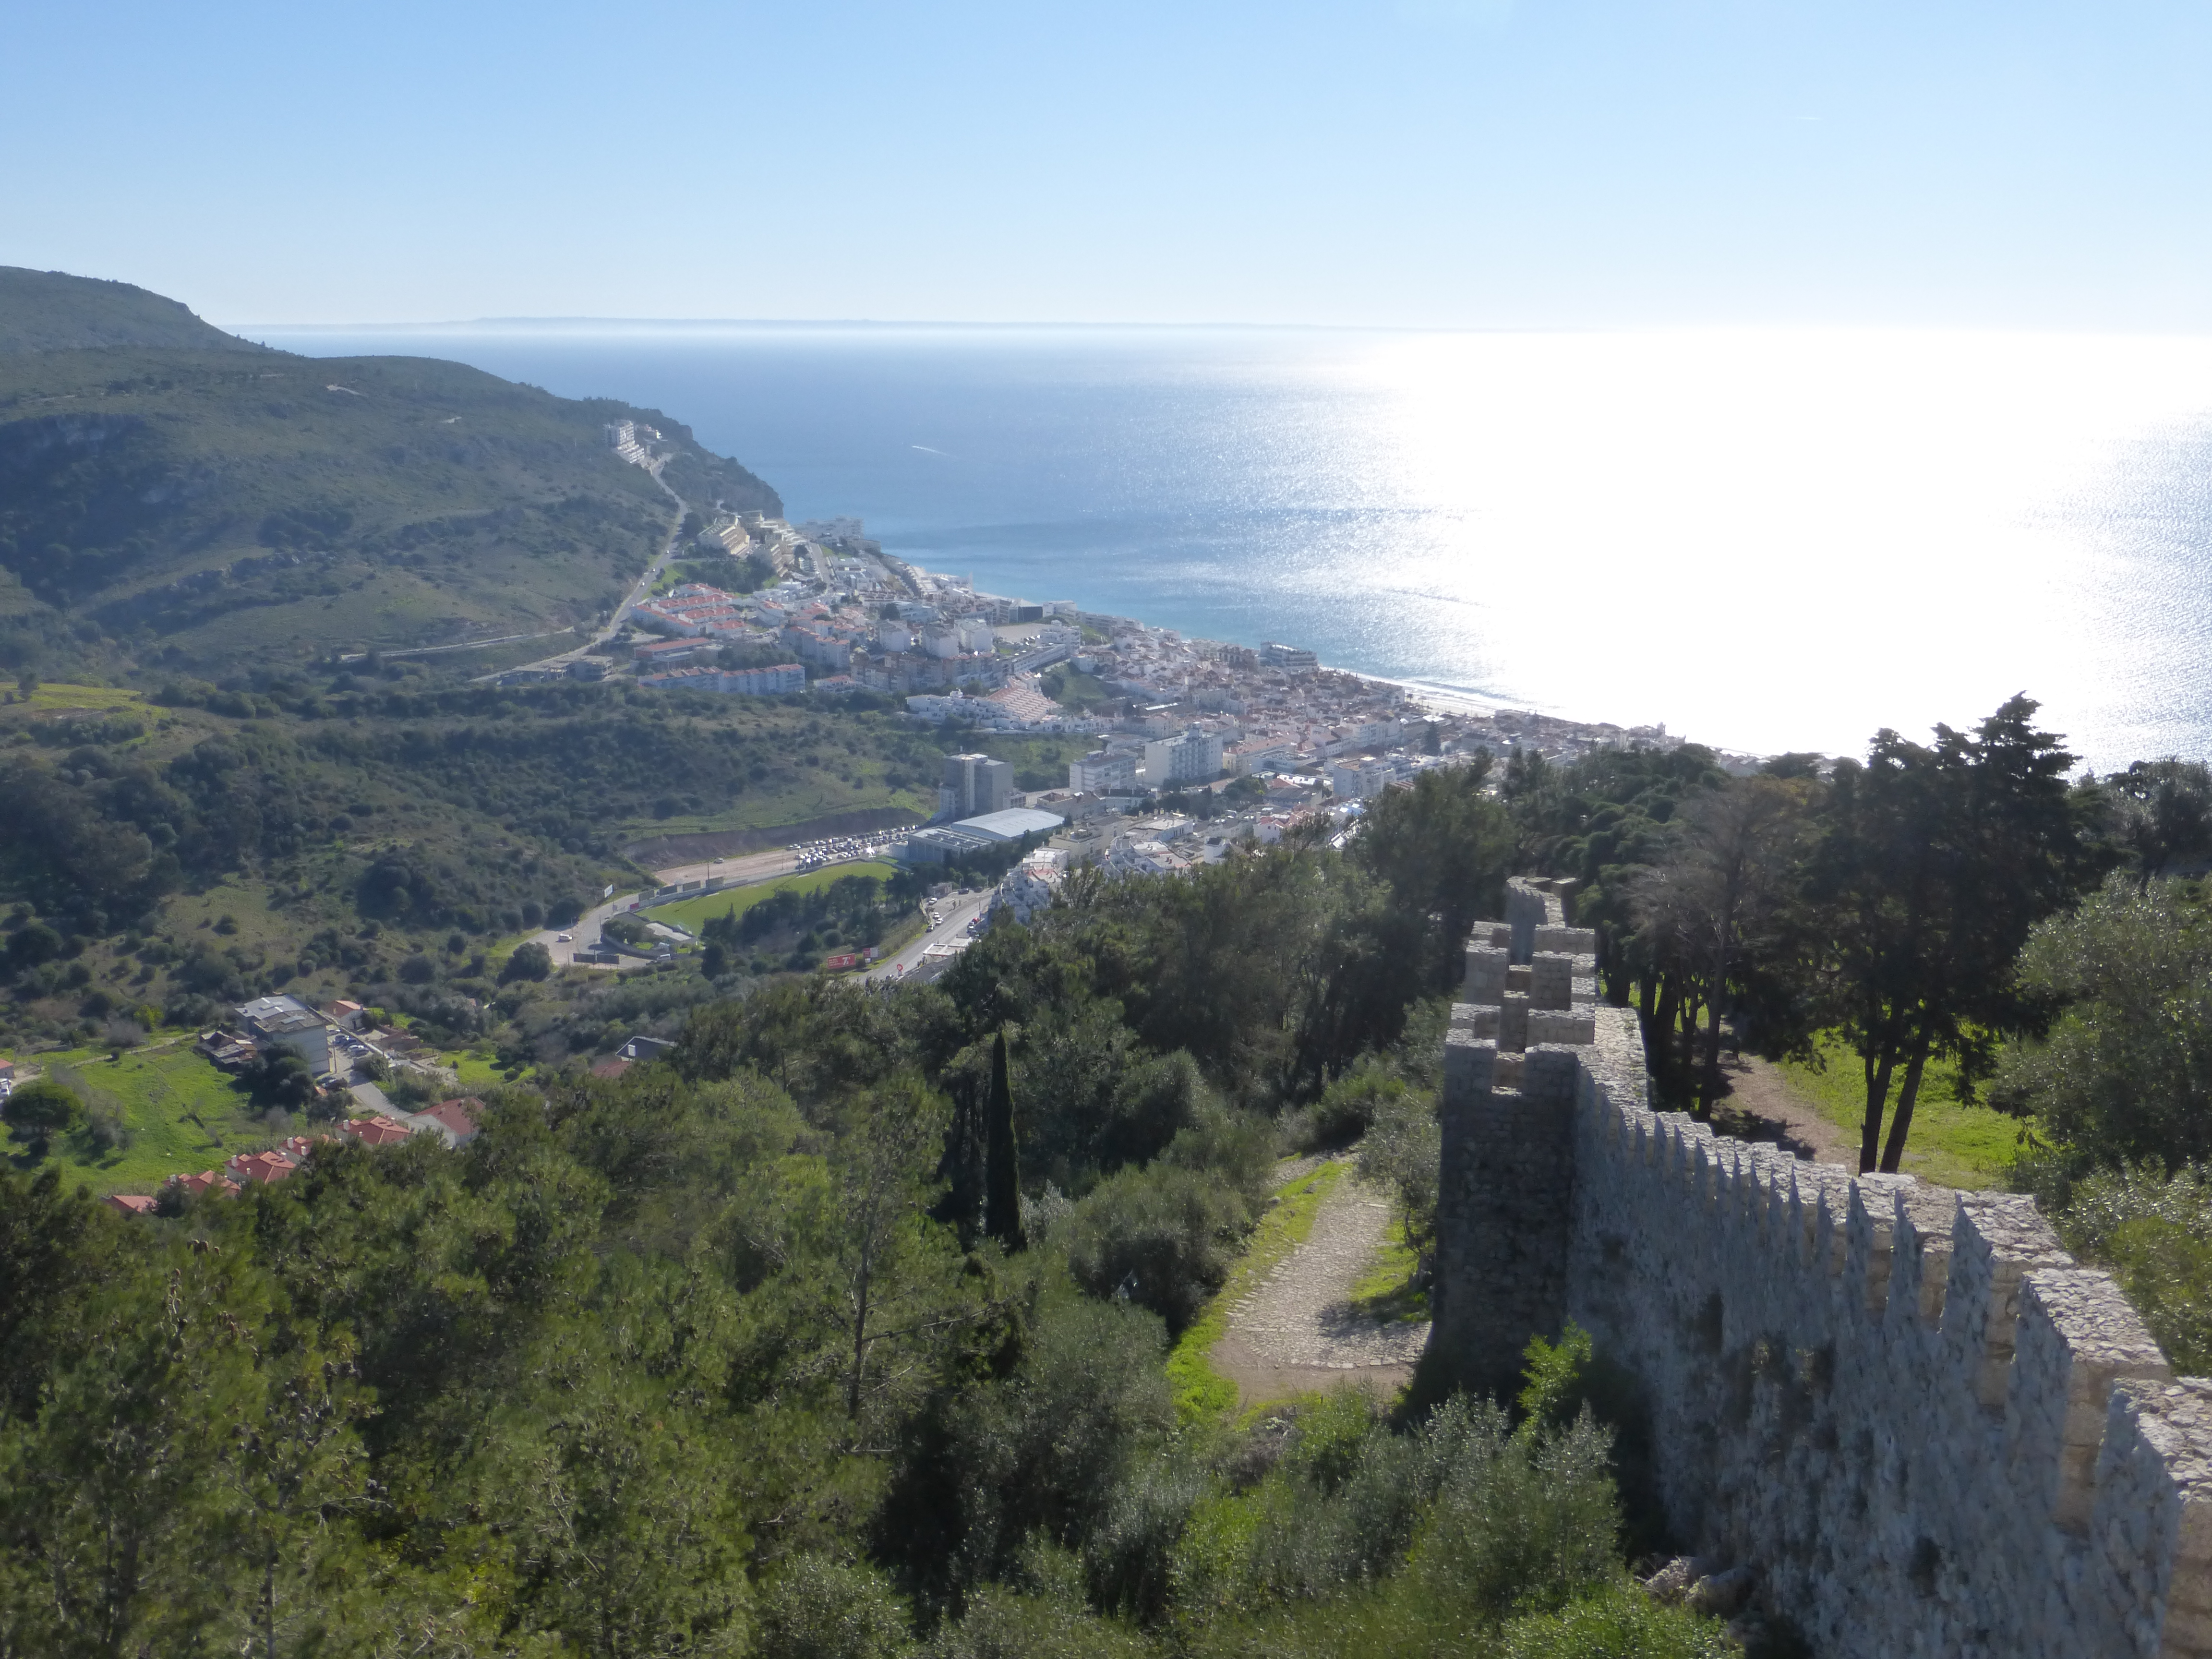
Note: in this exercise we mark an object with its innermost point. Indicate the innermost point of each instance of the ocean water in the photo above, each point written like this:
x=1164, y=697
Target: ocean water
x=1766, y=540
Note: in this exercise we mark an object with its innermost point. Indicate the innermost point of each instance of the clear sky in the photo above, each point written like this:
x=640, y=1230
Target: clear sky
x=1465, y=163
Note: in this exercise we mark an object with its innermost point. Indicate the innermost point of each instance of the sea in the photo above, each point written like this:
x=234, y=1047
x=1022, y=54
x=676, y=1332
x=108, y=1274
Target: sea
x=1764, y=540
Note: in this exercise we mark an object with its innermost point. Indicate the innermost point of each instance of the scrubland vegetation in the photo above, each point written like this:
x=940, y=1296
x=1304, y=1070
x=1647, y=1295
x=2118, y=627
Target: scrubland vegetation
x=876, y=1323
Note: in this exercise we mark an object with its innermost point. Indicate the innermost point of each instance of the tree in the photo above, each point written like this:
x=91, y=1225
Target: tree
x=622, y=1507
x=108, y=1492
x=281, y=1077
x=1443, y=847
x=888, y=1261
x=33, y=943
x=1717, y=895
x=2163, y=814
x=40, y=1110
x=45, y=1268
x=2124, y=1074
x=1002, y=1182
x=298, y=1475
x=530, y=961
x=1933, y=864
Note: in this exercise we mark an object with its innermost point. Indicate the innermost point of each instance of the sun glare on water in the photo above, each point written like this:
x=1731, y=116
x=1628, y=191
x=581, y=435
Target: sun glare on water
x=1780, y=539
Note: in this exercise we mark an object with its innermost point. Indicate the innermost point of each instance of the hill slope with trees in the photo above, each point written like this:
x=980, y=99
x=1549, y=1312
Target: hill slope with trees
x=53, y=311
x=207, y=505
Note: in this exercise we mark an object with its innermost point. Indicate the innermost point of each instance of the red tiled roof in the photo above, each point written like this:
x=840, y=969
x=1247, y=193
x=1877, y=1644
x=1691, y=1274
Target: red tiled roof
x=131, y=1203
x=206, y=1181
x=262, y=1166
x=611, y=1067
x=375, y=1131
x=458, y=1115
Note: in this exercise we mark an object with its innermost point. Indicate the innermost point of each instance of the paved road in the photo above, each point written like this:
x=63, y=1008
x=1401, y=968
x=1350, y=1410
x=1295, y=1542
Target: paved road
x=644, y=587
x=751, y=868
x=957, y=912
x=585, y=932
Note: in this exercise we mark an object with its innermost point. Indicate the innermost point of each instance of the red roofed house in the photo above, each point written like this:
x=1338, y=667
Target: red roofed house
x=131, y=1203
x=375, y=1131
x=263, y=1167
x=615, y=1066
x=457, y=1119
x=205, y=1182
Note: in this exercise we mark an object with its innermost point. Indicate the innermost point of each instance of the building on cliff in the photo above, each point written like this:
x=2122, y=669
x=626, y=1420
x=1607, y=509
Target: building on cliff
x=1928, y=1430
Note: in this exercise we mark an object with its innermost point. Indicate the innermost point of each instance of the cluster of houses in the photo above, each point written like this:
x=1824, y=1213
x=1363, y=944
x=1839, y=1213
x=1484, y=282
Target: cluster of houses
x=453, y=1121
x=331, y=1040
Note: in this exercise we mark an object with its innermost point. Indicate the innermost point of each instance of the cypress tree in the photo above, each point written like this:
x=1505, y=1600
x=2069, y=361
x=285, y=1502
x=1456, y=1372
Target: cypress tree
x=962, y=1167
x=1002, y=1174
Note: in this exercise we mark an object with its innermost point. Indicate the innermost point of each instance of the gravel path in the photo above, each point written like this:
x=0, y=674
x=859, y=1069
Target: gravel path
x=1296, y=1329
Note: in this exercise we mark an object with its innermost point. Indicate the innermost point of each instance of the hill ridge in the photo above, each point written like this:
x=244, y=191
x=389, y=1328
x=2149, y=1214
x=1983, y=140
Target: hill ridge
x=57, y=311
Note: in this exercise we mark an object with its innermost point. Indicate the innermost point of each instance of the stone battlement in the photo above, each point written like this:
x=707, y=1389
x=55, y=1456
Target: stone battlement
x=1930, y=1430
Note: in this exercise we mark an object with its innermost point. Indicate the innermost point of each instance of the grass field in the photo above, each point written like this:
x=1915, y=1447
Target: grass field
x=1953, y=1141
x=182, y=1113
x=693, y=913
x=1200, y=1391
x=82, y=697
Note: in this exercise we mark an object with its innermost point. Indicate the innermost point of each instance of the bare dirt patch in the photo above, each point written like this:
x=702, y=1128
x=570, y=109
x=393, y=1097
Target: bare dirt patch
x=1760, y=1105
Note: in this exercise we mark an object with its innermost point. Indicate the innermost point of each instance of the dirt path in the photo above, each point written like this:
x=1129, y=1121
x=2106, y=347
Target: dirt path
x=1760, y=1105
x=1298, y=1332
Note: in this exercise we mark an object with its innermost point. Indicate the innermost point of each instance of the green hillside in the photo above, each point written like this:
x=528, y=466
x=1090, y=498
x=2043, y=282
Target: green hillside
x=53, y=311
x=165, y=509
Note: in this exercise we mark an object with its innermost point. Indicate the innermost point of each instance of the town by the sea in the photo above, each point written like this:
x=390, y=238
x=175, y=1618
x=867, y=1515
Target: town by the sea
x=1763, y=540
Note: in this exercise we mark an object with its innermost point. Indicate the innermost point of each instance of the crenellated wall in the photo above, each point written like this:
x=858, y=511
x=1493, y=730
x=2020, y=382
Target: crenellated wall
x=1929, y=1430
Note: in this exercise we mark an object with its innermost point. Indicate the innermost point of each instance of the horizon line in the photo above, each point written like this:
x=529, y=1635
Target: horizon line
x=799, y=324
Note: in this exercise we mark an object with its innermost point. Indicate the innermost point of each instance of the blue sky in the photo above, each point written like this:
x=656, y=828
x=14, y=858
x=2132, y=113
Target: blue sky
x=1461, y=163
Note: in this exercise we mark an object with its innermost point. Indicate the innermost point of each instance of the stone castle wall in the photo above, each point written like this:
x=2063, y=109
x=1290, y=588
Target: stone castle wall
x=1927, y=1429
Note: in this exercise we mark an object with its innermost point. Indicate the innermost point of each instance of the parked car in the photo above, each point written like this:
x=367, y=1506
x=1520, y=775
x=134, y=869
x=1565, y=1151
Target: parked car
x=564, y=938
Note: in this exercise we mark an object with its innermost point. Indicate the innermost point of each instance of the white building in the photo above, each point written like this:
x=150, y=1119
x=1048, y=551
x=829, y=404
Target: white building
x=1357, y=779
x=1260, y=753
x=1032, y=886
x=1143, y=858
x=287, y=1022
x=1103, y=772
x=1194, y=758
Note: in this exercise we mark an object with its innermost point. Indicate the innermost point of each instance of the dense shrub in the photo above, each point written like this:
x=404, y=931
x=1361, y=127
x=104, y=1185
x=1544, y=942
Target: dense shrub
x=2153, y=1232
x=40, y=1110
x=2125, y=1074
x=1162, y=1237
x=530, y=961
x=1004, y=1624
x=816, y=1608
x=1351, y=1104
x=1620, y=1623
